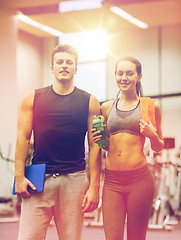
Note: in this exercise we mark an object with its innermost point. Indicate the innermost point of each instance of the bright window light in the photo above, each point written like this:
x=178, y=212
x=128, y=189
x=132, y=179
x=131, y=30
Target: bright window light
x=91, y=45
x=38, y=25
x=78, y=5
x=128, y=17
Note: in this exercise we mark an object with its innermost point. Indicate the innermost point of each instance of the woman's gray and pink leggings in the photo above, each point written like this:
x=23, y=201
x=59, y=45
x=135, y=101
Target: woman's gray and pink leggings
x=127, y=197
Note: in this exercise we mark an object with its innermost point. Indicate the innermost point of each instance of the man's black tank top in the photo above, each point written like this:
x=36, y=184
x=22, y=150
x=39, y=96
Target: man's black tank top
x=59, y=128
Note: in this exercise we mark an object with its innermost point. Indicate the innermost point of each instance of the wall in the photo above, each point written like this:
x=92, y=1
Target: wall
x=171, y=59
x=8, y=98
x=48, y=45
x=141, y=44
x=33, y=62
x=29, y=63
x=171, y=81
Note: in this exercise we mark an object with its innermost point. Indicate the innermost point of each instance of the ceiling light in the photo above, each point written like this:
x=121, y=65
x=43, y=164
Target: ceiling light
x=78, y=5
x=38, y=25
x=128, y=17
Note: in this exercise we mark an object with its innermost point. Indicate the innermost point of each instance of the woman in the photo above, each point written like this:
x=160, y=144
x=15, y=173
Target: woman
x=129, y=185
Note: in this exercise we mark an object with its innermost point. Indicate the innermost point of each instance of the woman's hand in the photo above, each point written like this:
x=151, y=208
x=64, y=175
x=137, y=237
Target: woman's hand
x=96, y=136
x=147, y=129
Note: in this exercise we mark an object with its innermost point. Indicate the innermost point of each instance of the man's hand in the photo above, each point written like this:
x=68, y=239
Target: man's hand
x=91, y=200
x=22, y=187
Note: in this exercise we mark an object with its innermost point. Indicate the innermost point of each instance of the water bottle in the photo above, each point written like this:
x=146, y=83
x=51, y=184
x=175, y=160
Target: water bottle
x=98, y=124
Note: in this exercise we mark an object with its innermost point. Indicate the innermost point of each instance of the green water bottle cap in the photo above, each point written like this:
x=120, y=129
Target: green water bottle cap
x=99, y=118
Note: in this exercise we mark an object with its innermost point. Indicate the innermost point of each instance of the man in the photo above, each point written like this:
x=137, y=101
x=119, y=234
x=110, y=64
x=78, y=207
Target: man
x=59, y=116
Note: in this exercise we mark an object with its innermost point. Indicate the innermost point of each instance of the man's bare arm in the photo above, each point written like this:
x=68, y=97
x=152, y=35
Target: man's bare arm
x=25, y=123
x=91, y=199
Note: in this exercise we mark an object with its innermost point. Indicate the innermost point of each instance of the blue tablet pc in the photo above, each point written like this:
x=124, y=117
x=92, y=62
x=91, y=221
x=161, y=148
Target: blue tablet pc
x=36, y=174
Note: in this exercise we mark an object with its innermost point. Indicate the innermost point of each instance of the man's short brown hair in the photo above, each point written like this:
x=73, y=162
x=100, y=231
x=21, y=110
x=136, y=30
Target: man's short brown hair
x=65, y=48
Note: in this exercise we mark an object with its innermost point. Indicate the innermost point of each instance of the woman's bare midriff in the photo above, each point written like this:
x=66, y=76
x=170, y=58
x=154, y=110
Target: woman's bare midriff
x=125, y=152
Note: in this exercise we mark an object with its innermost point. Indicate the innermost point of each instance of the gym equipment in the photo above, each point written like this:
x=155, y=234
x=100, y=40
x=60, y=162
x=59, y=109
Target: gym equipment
x=8, y=205
x=161, y=207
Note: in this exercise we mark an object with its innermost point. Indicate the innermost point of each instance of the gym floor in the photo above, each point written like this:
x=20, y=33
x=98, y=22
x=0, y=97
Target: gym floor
x=9, y=231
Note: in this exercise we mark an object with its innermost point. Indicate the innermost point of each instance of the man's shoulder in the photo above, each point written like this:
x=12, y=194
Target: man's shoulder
x=28, y=100
x=42, y=89
x=82, y=92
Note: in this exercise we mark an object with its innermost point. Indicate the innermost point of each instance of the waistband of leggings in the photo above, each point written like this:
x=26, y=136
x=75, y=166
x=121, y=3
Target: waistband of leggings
x=125, y=175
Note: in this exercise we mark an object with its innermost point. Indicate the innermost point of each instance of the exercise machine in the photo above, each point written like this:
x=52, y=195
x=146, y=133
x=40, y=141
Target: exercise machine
x=161, y=217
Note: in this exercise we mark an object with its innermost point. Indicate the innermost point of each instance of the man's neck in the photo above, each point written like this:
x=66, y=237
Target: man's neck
x=63, y=89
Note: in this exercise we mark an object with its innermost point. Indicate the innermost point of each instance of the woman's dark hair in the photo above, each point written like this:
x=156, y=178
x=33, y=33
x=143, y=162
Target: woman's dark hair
x=139, y=89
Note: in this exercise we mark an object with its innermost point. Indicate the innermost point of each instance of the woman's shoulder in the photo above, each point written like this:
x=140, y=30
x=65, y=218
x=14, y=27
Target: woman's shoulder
x=107, y=104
